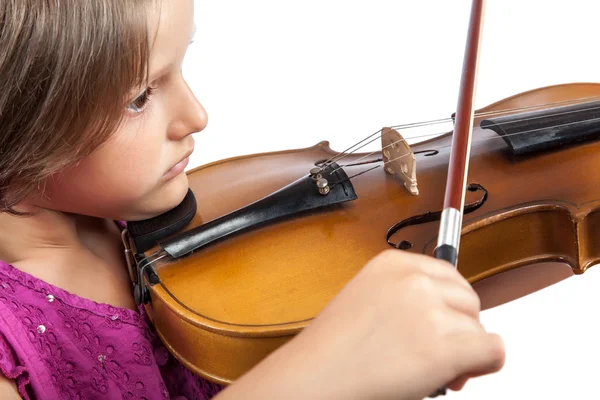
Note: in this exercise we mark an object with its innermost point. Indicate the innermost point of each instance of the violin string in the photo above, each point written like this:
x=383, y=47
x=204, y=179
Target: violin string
x=436, y=134
x=345, y=153
x=534, y=106
x=481, y=114
x=532, y=130
x=446, y=120
x=364, y=172
x=473, y=141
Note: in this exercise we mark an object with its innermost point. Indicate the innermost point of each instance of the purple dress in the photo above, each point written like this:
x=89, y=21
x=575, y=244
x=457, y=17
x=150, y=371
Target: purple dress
x=56, y=345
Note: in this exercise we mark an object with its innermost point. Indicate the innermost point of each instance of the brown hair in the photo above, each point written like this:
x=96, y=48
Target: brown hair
x=67, y=70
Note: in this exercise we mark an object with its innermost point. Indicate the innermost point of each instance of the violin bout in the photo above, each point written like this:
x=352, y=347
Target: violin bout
x=224, y=307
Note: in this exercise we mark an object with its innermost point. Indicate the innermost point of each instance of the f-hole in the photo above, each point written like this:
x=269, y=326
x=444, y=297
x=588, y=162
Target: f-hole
x=432, y=216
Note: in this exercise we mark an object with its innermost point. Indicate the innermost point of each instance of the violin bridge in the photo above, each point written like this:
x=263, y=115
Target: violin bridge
x=399, y=160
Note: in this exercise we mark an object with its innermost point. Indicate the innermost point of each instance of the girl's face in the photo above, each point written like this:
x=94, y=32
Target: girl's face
x=139, y=172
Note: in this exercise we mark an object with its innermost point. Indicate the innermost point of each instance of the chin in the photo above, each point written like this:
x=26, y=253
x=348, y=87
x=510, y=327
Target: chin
x=158, y=201
x=169, y=196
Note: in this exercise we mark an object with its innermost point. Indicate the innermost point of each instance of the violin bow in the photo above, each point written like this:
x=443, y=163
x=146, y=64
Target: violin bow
x=458, y=166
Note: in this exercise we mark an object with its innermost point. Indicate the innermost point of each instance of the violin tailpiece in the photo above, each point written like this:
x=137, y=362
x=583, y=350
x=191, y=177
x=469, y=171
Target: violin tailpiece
x=399, y=160
x=293, y=199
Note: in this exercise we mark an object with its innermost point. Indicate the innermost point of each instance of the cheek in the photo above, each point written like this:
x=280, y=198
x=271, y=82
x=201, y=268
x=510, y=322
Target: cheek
x=100, y=190
x=120, y=180
x=123, y=178
x=139, y=170
x=118, y=192
x=127, y=165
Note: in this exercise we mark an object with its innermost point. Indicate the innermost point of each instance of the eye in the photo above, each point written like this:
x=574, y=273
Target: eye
x=140, y=102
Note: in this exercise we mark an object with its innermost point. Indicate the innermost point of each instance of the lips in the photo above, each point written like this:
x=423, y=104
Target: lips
x=179, y=167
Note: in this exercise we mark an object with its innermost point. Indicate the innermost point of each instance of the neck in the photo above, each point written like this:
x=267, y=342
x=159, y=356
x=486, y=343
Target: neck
x=48, y=234
x=80, y=254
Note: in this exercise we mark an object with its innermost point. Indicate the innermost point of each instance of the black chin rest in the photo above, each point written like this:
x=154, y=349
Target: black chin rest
x=146, y=233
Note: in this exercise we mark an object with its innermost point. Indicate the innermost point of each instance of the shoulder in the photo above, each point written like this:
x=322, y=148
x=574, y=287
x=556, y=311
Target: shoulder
x=51, y=340
x=14, y=353
x=14, y=374
x=8, y=389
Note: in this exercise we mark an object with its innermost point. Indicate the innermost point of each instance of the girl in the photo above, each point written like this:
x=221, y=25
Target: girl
x=95, y=127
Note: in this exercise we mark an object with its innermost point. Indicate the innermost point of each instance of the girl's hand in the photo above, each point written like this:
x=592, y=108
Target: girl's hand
x=405, y=325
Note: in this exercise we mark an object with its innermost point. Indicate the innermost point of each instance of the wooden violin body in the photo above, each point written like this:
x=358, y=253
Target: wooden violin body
x=223, y=308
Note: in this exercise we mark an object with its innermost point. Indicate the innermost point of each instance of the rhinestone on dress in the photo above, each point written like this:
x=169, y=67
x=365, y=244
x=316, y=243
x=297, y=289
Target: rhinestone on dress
x=114, y=317
x=101, y=357
x=50, y=298
x=41, y=329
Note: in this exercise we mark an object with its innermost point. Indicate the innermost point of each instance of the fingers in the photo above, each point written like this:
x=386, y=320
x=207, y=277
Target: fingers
x=461, y=299
x=455, y=290
x=447, y=324
x=445, y=271
x=476, y=351
x=475, y=355
x=425, y=305
x=435, y=268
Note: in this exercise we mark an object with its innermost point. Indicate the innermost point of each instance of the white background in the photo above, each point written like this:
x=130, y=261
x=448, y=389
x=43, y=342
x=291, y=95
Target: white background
x=276, y=75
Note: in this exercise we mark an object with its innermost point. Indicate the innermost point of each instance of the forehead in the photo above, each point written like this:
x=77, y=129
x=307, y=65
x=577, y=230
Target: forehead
x=171, y=25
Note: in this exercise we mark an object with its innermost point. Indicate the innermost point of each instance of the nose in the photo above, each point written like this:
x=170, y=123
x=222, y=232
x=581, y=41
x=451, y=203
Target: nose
x=189, y=116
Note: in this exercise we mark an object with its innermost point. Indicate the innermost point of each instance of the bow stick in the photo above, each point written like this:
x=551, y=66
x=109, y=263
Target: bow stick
x=458, y=166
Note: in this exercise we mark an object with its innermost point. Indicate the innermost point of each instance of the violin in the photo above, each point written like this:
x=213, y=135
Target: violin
x=264, y=241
